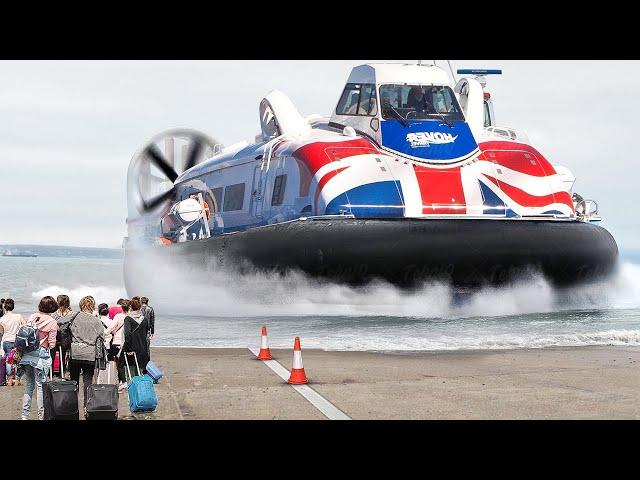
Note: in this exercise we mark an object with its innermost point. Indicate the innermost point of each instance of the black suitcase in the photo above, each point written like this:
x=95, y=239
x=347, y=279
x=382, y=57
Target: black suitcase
x=60, y=397
x=101, y=400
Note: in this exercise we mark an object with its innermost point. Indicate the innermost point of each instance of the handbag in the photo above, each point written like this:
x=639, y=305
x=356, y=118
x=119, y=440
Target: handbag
x=101, y=354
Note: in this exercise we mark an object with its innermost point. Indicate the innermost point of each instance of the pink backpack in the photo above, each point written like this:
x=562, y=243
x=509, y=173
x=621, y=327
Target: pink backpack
x=14, y=356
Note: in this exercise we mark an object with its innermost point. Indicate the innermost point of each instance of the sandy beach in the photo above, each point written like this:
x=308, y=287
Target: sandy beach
x=553, y=383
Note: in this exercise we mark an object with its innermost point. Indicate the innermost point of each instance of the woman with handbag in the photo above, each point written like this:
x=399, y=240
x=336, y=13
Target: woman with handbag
x=116, y=329
x=35, y=364
x=86, y=329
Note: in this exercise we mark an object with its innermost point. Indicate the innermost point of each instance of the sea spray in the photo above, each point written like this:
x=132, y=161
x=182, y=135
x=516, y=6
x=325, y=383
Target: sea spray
x=227, y=310
x=219, y=292
x=101, y=293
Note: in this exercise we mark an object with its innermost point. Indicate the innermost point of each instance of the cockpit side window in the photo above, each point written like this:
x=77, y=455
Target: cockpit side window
x=487, y=115
x=358, y=99
x=368, y=104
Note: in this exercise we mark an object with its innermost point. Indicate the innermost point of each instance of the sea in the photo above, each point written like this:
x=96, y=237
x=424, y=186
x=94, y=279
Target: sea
x=527, y=314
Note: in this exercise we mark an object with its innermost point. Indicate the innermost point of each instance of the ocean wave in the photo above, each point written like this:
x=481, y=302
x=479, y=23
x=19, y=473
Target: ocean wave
x=101, y=293
x=416, y=344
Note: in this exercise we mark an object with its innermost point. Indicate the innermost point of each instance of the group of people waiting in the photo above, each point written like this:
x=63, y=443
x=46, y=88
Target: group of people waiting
x=91, y=334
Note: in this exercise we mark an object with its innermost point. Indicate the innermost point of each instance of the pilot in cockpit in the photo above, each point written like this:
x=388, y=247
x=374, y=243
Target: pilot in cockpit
x=386, y=104
x=417, y=101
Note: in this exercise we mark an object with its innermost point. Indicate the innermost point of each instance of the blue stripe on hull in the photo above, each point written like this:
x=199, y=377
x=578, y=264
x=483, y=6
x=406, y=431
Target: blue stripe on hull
x=373, y=200
x=493, y=205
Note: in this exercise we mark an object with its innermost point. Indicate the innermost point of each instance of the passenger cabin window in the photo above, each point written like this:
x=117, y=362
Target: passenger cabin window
x=233, y=197
x=278, y=190
x=358, y=99
x=217, y=196
x=419, y=102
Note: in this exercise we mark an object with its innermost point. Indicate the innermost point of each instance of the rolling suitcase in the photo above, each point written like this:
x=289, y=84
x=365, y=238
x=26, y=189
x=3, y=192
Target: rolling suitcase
x=60, y=397
x=142, y=395
x=101, y=399
x=3, y=370
x=154, y=372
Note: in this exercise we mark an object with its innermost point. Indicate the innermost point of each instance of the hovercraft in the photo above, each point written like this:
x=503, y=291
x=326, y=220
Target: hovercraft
x=409, y=180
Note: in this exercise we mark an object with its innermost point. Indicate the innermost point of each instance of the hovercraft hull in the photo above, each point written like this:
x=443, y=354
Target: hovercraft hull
x=404, y=252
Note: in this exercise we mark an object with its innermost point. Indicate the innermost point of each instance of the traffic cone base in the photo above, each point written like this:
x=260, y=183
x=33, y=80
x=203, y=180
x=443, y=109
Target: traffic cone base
x=264, y=354
x=298, y=377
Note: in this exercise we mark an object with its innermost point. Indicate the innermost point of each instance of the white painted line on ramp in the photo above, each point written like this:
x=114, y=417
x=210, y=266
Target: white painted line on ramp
x=327, y=408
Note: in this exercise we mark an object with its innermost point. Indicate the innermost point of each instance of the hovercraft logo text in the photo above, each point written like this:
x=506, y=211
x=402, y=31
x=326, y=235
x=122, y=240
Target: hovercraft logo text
x=424, y=139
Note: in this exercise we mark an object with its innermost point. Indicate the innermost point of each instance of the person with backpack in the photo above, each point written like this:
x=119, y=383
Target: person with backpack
x=10, y=323
x=86, y=329
x=63, y=316
x=136, y=332
x=35, y=340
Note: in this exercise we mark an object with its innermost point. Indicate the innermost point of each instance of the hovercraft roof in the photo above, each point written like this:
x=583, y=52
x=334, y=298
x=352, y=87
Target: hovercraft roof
x=398, y=73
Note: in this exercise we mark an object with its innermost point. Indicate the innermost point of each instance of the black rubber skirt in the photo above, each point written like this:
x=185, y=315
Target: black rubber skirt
x=404, y=252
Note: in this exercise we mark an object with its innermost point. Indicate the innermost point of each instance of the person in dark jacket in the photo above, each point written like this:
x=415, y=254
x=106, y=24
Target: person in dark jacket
x=150, y=315
x=64, y=315
x=136, y=333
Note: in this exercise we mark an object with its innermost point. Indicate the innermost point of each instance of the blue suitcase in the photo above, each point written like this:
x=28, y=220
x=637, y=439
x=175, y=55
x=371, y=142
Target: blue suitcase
x=154, y=372
x=142, y=395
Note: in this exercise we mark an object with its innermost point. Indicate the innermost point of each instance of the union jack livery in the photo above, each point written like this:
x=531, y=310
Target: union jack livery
x=409, y=180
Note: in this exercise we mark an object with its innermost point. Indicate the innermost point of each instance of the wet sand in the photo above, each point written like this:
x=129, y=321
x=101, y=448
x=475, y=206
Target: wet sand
x=552, y=383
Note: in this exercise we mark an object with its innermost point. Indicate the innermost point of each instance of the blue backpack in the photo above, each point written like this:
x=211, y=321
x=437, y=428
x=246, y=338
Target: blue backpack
x=27, y=338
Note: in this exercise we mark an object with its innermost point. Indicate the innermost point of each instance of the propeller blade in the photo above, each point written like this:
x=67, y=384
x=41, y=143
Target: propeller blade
x=148, y=205
x=158, y=159
x=193, y=154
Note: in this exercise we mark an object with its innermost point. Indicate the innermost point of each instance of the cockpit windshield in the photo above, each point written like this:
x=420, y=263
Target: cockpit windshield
x=419, y=102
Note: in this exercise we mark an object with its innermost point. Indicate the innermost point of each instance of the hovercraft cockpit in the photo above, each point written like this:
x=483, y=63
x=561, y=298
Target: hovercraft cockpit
x=419, y=116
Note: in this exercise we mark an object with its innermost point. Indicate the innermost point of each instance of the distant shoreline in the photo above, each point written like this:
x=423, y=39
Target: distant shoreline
x=60, y=251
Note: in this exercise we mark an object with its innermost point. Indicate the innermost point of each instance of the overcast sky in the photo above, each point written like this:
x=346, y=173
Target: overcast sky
x=68, y=129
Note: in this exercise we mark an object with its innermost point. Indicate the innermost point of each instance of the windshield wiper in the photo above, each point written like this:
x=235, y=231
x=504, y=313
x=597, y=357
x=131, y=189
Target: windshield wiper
x=449, y=123
x=441, y=116
x=399, y=116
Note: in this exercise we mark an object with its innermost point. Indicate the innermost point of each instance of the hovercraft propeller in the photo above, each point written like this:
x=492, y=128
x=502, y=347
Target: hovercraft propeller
x=142, y=180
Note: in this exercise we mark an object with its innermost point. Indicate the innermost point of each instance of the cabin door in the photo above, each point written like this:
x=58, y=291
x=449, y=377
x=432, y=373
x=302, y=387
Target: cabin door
x=257, y=191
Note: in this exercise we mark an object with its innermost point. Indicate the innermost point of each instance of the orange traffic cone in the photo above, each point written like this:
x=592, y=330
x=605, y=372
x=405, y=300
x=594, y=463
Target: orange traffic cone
x=298, y=376
x=264, y=353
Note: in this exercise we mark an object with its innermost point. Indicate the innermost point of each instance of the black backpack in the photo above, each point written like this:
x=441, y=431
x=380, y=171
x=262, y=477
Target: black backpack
x=64, y=336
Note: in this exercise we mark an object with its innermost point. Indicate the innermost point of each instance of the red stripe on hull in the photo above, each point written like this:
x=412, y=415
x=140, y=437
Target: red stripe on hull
x=441, y=190
x=517, y=156
x=318, y=154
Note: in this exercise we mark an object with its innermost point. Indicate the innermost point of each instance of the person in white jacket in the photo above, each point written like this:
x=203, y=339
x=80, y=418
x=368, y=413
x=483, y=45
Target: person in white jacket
x=117, y=331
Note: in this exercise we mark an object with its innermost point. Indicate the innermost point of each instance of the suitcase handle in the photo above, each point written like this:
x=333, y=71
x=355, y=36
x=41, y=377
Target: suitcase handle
x=61, y=367
x=97, y=372
x=61, y=364
x=127, y=362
